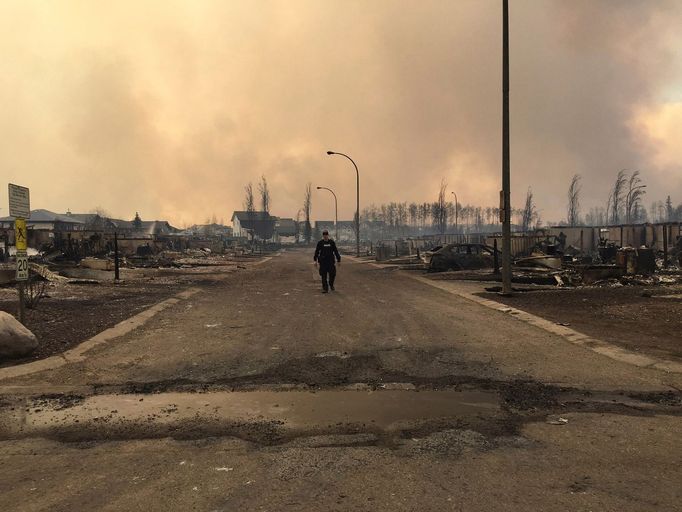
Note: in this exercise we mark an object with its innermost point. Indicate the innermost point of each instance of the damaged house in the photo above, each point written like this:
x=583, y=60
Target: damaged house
x=286, y=230
x=254, y=225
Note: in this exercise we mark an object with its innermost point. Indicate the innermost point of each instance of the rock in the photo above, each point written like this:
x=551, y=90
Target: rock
x=15, y=339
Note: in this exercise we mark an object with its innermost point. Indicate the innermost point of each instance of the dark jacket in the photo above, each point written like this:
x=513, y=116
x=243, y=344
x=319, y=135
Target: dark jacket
x=326, y=251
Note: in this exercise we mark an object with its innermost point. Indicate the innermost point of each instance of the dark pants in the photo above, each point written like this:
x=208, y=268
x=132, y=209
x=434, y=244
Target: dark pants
x=327, y=269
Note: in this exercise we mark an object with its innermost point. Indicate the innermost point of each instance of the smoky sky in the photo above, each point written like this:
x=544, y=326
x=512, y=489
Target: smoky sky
x=170, y=108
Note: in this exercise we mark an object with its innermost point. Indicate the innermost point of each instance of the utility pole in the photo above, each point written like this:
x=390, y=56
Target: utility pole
x=506, y=181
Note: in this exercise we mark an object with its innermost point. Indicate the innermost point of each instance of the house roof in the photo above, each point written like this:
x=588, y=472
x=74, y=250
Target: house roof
x=41, y=215
x=261, y=223
x=147, y=226
x=243, y=215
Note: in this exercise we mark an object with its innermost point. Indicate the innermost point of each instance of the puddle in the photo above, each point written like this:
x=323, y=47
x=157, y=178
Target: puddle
x=290, y=410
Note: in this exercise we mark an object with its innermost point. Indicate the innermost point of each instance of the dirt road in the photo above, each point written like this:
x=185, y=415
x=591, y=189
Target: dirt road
x=260, y=393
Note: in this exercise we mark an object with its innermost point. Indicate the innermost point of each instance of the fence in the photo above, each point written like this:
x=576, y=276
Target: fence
x=584, y=238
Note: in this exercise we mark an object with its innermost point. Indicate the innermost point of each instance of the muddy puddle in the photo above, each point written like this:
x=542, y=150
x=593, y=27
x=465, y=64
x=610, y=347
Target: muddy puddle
x=290, y=410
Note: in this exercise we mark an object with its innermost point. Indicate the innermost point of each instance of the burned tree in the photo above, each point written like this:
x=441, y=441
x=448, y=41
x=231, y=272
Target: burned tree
x=249, y=205
x=529, y=213
x=307, y=207
x=633, y=197
x=413, y=211
x=264, y=193
x=137, y=221
x=669, y=210
x=615, y=202
x=439, y=209
x=573, y=216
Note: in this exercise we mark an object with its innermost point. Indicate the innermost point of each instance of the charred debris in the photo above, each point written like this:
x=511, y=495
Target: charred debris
x=647, y=254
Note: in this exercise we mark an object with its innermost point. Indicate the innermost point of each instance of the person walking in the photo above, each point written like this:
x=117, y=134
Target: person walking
x=326, y=257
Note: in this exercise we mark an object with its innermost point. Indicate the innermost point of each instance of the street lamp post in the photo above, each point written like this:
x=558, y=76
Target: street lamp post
x=336, y=211
x=357, y=208
x=456, y=211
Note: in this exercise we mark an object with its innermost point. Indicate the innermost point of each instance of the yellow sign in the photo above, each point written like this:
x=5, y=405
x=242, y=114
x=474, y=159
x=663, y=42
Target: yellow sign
x=20, y=234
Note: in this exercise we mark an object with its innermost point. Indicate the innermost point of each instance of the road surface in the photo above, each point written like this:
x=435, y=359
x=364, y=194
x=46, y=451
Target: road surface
x=258, y=392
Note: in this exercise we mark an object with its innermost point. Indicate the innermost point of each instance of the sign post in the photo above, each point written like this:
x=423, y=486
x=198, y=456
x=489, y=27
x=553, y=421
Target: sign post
x=20, y=209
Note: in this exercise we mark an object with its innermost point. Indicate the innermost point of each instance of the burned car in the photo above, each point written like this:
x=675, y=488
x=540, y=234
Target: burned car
x=462, y=257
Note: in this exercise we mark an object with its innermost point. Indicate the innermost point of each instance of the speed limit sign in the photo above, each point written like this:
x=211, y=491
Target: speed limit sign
x=22, y=266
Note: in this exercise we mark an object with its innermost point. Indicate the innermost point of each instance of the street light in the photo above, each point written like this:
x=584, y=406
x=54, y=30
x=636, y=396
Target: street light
x=357, y=209
x=336, y=210
x=456, y=211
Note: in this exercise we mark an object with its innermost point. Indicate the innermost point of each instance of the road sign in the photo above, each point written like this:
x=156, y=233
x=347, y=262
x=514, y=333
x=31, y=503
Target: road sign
x=22, y=266
x=19, y=201
x=20, y=234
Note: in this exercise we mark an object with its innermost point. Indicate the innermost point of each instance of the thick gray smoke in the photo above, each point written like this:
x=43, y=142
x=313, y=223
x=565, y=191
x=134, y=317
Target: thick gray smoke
x=171, y=108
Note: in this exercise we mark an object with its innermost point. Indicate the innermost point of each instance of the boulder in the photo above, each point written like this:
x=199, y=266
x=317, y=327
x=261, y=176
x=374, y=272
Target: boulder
x=15, y=339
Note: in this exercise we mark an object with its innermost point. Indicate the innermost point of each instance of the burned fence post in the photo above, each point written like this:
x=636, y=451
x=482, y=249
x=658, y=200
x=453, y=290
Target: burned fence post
x=116, y=262
x=665, y=246
x=22, y=299
x=496, y=259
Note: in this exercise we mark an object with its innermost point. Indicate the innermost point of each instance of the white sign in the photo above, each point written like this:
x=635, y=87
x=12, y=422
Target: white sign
x=19, y=202
x=22, y=266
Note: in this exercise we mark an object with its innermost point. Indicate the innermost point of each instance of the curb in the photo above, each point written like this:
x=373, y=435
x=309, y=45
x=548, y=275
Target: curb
x=77, y=353
x=576, y=338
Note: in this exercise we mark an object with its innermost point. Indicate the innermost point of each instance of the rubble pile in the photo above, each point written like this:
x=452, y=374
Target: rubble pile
x=549, y=262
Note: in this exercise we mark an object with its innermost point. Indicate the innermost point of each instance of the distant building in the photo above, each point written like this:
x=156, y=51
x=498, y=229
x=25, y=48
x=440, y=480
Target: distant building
x=286, y=230
x=45, y=220
x=254, y=225
x=321, y=225
x=136, y=228
x=209, y=230
x=346, y=229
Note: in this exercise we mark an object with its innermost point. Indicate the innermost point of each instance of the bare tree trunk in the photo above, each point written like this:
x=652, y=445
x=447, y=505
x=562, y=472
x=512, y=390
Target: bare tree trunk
x=528, y=213
x=617, y=196
x=249, y=206
x=264, y=192
x=573, y=217
x=307, y=207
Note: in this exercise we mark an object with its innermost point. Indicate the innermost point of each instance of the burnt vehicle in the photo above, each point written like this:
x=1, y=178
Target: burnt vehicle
x=462, y=257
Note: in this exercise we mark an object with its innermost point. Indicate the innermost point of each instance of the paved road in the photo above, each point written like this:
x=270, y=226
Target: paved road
x=260, y=393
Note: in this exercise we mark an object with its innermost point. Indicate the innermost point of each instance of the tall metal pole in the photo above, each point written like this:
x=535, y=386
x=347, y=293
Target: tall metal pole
x=336, y=211
x=357, y=208
x=506, y=194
